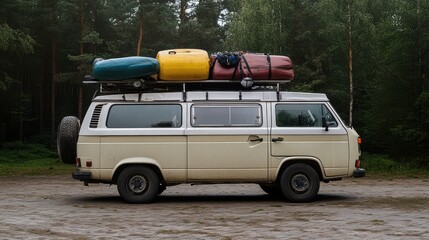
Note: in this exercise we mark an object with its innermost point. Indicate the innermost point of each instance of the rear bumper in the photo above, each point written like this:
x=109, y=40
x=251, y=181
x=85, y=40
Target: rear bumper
x=82, y=176
x=358, y=173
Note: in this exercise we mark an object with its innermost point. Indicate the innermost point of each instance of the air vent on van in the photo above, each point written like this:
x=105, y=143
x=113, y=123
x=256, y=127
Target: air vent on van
x=96, y=116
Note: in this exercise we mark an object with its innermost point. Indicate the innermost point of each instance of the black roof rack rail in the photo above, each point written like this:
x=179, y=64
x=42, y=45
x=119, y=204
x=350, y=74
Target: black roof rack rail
x=107, y=87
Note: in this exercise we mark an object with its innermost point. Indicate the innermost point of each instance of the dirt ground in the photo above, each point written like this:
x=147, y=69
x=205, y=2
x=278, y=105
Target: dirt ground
x=62, y=208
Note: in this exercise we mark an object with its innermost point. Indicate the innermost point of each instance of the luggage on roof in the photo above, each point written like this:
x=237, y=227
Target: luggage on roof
x=183, y=64
x=266, y=67
x=193, y=65
x=224, y=66
x=124, y=68
x=254, y=66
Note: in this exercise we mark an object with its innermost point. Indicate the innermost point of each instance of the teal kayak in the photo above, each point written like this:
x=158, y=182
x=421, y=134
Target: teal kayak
x=124, y=68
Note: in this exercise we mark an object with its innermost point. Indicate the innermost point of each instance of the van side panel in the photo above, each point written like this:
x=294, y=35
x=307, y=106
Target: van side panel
x=331, y=147
x=228, y=153
x=168, y=151
x=227, y=158
x=88, y=150
x=332, y=151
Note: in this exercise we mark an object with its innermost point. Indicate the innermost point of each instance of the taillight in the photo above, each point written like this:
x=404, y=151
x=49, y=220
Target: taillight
x=357, y=163
x=78, y=163
x=359, y=140
x=88, y=163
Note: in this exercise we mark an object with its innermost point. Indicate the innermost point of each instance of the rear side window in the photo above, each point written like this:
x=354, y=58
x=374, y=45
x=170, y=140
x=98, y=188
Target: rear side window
x=226, y=115
x=303, y=115
x=145, y=116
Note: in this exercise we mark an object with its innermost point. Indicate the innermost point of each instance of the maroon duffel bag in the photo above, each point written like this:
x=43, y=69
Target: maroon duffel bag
x=255, y=66
x=265, y=67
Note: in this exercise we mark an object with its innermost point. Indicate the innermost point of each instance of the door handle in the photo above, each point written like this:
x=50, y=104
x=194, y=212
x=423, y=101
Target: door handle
x=279, y=139
x=257, y=140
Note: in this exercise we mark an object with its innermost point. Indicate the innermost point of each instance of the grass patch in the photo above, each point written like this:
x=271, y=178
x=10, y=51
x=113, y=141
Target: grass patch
x=18, y=158
x=384, y=166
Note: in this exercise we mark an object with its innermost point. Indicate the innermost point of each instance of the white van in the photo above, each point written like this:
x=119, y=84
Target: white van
x=287, y=142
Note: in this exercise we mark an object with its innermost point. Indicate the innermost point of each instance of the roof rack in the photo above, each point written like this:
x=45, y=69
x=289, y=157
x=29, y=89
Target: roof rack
x=140, y=86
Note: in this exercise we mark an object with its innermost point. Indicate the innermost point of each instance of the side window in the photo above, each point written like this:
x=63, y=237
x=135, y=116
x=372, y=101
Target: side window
x=144, y=116
x=231, y=115
x=303, y=115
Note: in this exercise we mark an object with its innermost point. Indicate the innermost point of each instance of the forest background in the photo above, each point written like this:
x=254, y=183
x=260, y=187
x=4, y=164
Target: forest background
x=48, y=46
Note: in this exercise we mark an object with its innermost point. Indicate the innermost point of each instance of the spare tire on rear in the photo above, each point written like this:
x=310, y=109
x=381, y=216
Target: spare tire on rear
x=68, y=133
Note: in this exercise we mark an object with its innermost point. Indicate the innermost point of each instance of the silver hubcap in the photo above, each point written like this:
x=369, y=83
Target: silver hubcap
x=300, y=183
x=137, y=184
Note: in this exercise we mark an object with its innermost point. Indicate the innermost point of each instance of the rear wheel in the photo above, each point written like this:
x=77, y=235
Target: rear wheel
x=300, y=183
x=138, y=184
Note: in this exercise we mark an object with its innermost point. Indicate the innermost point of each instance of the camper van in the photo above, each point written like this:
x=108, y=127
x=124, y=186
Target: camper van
x=144, y=140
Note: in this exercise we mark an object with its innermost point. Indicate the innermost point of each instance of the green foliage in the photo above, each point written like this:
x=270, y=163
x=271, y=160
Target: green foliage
x=19, y=158
x=383, y=165
x=19, y=152
x=399, y=113
x=15, y=41
x=46, y=166
x=259, y=26
x=379, y=163
x=5, y=82
x=13, y=44
x=160, y=27
x=83, y=63
x=92, y=38
x=200, y=27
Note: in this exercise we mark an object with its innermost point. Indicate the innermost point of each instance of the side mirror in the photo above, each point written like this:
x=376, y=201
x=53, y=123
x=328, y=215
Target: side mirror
x=325, y=124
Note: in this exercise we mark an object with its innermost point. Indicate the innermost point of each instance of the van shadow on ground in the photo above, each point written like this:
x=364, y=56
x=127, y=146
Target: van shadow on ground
x=171, y=198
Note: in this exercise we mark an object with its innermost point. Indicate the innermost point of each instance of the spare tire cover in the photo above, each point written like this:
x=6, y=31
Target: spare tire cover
x=68, y=133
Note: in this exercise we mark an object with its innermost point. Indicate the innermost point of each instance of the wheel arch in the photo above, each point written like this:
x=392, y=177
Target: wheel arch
x=312, y=162
x=137, y=162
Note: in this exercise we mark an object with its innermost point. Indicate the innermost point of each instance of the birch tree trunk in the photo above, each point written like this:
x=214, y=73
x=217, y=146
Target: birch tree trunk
x=350, y=65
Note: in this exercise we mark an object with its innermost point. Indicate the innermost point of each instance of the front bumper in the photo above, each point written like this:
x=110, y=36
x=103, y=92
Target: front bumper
x=359, y=172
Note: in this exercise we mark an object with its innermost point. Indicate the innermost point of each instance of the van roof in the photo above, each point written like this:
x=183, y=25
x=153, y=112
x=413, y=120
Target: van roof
x=262, y=96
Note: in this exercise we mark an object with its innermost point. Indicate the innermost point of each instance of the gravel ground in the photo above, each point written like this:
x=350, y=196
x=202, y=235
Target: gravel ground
x=45, y=207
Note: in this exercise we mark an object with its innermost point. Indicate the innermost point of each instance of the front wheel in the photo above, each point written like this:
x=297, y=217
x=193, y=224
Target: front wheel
x=300, y=183
x=138, y=184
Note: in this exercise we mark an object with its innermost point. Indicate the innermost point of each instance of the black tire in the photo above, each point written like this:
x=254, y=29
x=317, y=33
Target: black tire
x=68, y=133
x=138, y=184
x=300, y=183
x=272, y=189
x=161, y=189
